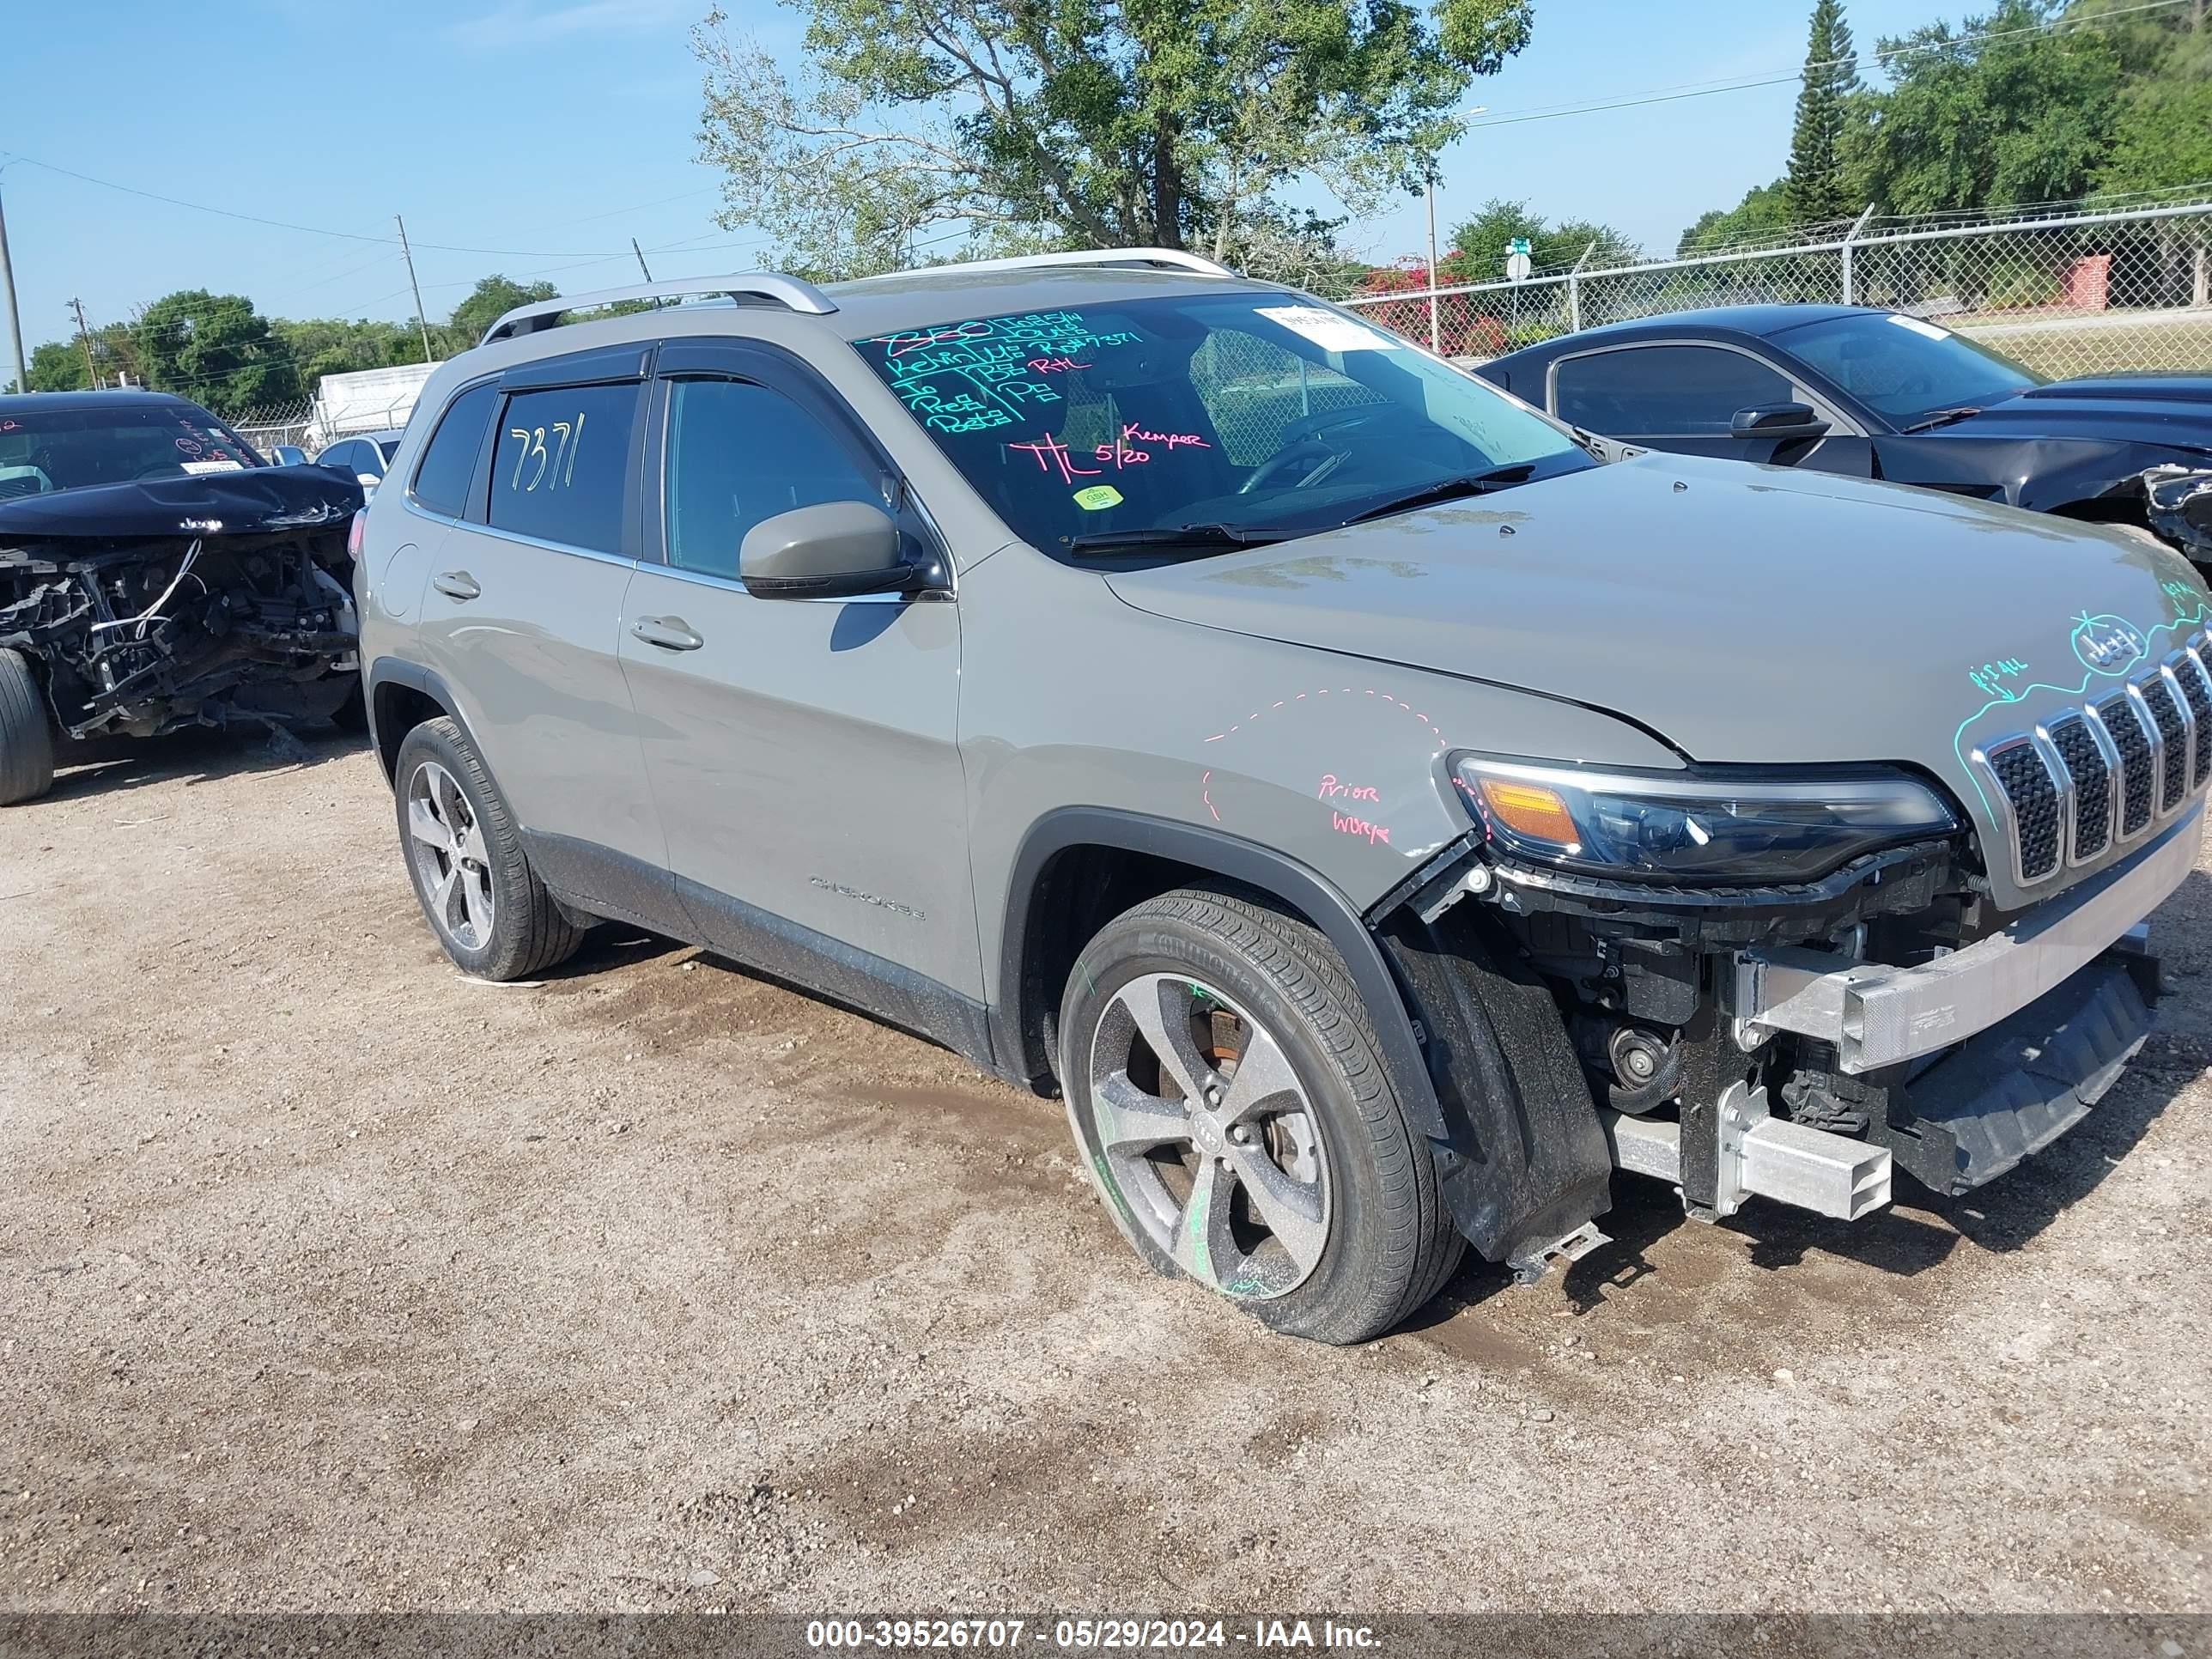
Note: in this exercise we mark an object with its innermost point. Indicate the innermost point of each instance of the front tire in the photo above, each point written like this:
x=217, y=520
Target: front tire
x=489, y=910
x=27, y=739
x=1224, y=1082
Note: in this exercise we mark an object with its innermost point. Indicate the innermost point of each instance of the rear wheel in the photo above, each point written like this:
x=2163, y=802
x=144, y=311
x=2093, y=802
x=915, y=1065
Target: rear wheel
x=1223, y=1081
x=27, y=739
x=472, y=877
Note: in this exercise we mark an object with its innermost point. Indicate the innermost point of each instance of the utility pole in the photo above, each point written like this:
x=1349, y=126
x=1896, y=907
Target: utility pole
x=408, y=254
x=1429, y=194
x=15, y=317
x=84, y=338
x=640, y=251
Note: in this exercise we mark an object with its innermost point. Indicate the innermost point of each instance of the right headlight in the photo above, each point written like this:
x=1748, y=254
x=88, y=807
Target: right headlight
x=1709, y=827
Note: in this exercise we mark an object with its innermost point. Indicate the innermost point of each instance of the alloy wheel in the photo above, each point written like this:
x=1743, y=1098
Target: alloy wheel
x=447, y=845
x=1208, y=1137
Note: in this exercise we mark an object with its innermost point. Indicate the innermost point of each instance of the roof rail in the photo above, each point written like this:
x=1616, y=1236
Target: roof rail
x=1174, y=258
x=757, y=287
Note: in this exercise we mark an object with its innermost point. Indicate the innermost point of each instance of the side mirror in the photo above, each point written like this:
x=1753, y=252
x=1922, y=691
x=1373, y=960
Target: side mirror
x=287, y=455
x=832, y=551
x=1772, y=420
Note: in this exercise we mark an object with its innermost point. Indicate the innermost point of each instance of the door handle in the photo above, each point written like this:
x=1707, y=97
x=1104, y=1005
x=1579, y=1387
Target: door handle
x=669, y=633
x=457, y=585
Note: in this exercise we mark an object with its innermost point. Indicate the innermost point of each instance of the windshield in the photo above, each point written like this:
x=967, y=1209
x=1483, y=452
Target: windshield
x=67, y=448
x=1903, y=368
x=1252, y=412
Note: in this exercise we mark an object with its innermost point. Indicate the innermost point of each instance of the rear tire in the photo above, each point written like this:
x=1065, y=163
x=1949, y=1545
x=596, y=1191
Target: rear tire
x=26, y=739
x=1305, y=1196
x=471, y=875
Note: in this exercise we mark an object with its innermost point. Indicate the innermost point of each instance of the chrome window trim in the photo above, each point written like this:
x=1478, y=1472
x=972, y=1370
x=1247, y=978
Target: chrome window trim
x=732, y=585
x=521, y=540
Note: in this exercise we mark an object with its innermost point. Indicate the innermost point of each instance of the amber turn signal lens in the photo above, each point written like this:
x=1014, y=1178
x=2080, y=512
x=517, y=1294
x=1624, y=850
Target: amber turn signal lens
x=1531, y=809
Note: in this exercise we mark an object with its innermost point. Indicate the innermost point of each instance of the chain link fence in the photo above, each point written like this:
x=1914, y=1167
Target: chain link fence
x=2067, y=292
x=276, y=424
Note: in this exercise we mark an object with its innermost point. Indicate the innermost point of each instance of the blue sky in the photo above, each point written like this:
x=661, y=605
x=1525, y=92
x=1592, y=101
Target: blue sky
x=554, y=130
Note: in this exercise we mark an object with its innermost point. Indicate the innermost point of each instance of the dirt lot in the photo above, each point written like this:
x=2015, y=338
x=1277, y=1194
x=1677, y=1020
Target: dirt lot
x=329, y=1279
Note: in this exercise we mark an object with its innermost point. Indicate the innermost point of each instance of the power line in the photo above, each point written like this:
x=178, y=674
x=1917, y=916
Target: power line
x=284, y=224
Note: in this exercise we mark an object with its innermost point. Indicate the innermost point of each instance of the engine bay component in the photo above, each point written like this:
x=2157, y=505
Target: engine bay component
x=2178, y=501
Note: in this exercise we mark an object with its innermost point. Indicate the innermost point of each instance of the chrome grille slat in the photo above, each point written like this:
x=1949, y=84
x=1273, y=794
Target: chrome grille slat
x=2196, y=692
x=2103, y=772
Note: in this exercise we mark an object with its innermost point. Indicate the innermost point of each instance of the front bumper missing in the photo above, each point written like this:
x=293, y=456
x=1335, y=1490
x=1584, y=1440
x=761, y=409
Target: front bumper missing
x=1875, y=1016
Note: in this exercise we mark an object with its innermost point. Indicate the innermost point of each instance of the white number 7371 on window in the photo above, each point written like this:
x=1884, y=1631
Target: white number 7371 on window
x=556, y=467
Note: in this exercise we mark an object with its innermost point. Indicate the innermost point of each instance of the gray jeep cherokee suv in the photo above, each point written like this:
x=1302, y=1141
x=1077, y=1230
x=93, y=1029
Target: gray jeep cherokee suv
x=1380, y=810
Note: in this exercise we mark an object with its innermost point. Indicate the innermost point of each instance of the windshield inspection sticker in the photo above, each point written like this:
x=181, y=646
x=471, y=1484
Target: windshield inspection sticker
x=1097, y=498
x=213, y=466
x=1329, y=330
x=1925, y=330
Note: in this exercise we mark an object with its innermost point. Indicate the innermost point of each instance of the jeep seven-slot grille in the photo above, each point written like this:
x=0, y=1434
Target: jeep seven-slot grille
x=2060, y=784
x=2092, y=786
x=2134, y=743
x=2027, y=783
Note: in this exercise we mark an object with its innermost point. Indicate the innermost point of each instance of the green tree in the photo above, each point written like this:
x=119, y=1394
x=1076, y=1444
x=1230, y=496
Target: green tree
x=1762, y=215
x=1086, y=123
x=2025, y=116
x=1480, y=245
x=216, y=349
x=487, y=301
x=58, y=366
x=332, y=346
x=1815, y=187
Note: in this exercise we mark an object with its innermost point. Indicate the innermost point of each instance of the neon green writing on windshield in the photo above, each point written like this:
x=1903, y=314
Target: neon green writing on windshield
x=990, y=372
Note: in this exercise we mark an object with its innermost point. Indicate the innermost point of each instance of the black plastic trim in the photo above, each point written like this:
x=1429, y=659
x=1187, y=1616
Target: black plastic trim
x=398, y=670
x=1305, y=890
x=843, y=973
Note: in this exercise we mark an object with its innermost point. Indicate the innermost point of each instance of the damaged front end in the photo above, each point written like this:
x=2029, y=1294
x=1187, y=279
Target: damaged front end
x=2178, y=504
x=192, y=601
x=1802, y=1043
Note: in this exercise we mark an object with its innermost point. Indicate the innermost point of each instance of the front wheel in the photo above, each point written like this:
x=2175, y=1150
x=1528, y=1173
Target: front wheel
x=26, y=740
x=482, y=898
x=1223, y=1081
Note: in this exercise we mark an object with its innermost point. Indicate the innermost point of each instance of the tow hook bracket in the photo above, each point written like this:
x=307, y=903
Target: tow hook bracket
x=1529, y=1268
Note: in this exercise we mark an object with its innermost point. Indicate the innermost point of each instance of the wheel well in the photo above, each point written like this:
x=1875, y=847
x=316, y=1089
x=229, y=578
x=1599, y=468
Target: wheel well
x=1077, y=892
x=398, y=710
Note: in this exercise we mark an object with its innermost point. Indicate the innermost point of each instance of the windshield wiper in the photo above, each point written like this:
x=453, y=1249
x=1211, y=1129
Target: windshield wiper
x=1180, y=535
x=1939, y=417
x=1445, y=490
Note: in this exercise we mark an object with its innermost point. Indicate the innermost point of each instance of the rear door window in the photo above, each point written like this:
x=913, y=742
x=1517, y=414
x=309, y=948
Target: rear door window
x=561, y=470
x=449, y=460
x=1663, y=390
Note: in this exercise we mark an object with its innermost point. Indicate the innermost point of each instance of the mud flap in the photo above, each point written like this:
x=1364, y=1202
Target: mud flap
x=1526, y=1163
x=2016, y=1088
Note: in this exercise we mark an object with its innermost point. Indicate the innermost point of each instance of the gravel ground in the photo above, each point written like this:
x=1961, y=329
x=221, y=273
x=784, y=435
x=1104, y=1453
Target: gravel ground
x=331, y=1280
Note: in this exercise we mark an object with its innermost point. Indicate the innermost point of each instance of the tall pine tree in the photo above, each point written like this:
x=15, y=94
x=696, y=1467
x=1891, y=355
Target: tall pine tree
x=1815, y=188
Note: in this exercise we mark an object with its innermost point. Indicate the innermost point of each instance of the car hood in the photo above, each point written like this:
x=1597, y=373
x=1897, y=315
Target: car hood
x=2171, y=410
x=254, y=500
x=1743, y=614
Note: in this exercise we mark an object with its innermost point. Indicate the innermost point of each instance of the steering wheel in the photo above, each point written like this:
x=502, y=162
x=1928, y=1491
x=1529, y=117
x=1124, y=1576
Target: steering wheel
x=158, y=470
x=1302, y=441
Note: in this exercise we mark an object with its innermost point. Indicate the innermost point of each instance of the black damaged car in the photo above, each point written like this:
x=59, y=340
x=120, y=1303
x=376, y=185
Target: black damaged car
x=155, y=573
x=1882, y=395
